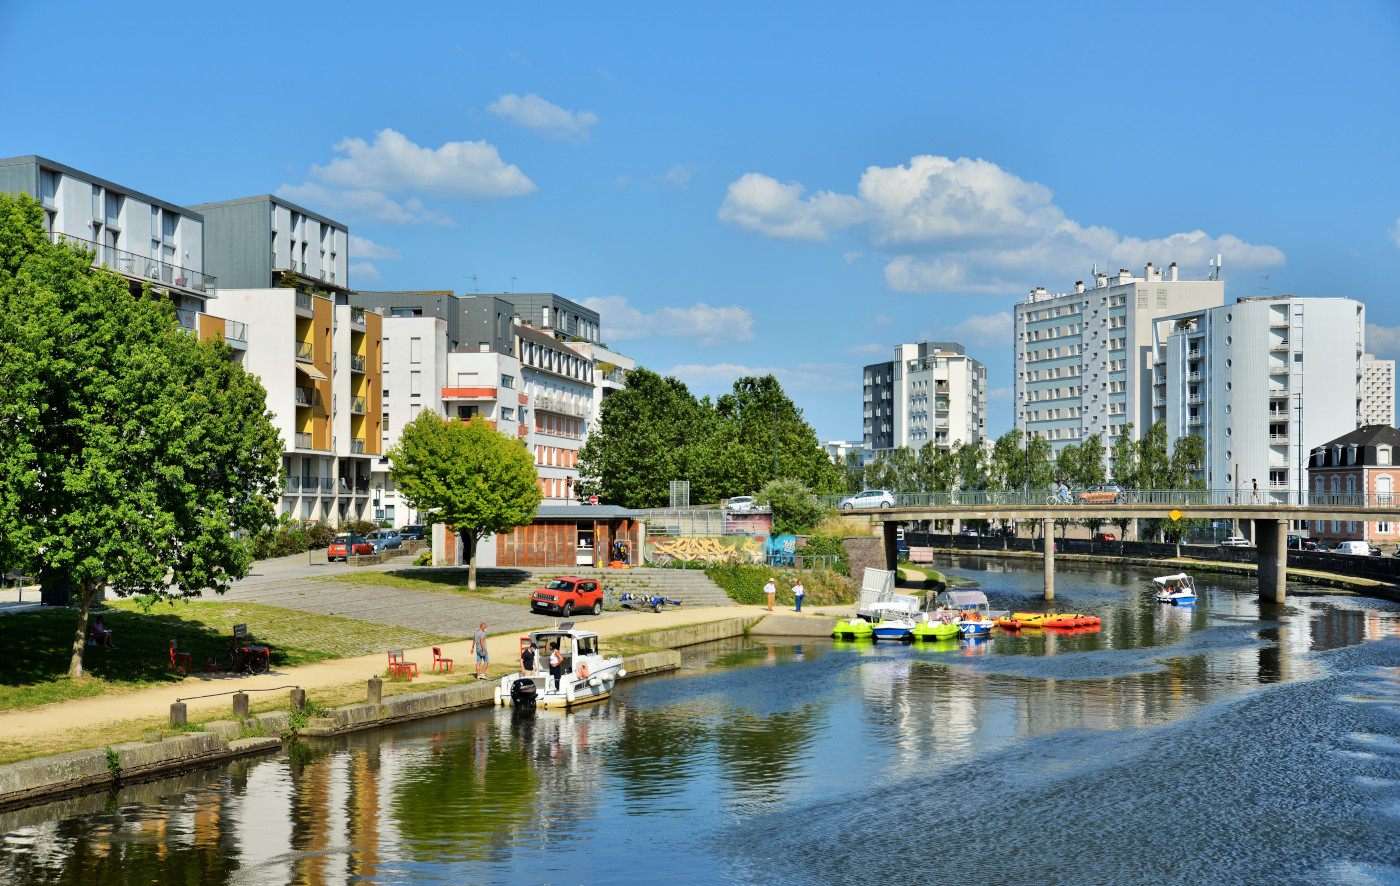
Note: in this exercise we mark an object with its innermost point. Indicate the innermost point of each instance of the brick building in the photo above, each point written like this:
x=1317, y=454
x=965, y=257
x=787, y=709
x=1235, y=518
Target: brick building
x=1359, y=462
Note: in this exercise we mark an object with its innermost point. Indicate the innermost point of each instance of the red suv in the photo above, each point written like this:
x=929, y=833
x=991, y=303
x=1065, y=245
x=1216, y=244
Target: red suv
x=568, y=595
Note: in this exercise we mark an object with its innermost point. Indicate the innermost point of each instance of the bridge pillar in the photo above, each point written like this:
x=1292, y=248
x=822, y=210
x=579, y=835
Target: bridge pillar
x=1047, y=542
x=891, y=545
x=1271, y=538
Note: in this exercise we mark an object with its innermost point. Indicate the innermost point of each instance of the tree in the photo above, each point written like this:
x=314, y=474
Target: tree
x=1154, y=464
x=1125, y=459
x=1091, y=461
x=759, y=424
x=795, y=508
x=647, y=434
x=466, y=474
x=136, y=456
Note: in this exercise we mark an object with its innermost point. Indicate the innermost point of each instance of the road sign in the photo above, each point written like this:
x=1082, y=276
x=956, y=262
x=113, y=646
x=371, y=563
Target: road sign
x=593, y=499
x=1175, y=514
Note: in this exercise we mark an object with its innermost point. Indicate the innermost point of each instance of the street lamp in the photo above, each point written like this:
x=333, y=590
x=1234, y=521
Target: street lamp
x=1027, y=493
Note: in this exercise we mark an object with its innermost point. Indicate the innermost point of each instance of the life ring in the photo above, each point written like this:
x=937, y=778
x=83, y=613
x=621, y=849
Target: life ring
x=583, y=672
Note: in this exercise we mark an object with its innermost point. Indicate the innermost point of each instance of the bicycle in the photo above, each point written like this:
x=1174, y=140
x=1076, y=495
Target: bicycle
x=246, y=657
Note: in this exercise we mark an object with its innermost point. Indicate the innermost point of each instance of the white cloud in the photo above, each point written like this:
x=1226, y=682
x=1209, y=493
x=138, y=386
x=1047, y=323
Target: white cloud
x=980, y=331
x=372, y=205
x=852, y=256
x=705, y=324
x=882, y=320
x=965, y=225
x=1383, y=341
x=364, y=271
x=720, y=377
x=363, y=247
x=468, y=170
x=1000, y=395
x=1395, y=233
x=678, y=176
x=544, y=117
x=872, y=350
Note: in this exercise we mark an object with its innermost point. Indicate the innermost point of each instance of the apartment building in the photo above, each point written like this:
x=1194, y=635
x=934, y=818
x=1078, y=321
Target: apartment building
x=1083, y=359
x=878, y=406
x=1362, y=461
x=319, y=357
x=609, y=371
x=931, y=392
x=147, y=240
x=1238, y=376
x=558, y=385
x=1377, y=391
x=484, y=321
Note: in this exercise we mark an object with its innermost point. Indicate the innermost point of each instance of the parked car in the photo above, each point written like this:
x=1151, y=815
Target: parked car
x=1235, y=541
x=344, y=546
x=869, y=498
x=1105, y=536
x=1103, y=494
x=742, y=503
x=1298, y=543
x=412, y=532
x=567, y=595
x=969, y=533
x=385, y=540
x=1353, y=547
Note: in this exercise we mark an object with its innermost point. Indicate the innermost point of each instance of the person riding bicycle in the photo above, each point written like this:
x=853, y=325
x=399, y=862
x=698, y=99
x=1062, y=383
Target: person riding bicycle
x=1062, y=493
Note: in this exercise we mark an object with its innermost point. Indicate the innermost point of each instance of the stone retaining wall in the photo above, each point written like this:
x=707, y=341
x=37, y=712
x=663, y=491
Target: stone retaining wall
x=674, y=638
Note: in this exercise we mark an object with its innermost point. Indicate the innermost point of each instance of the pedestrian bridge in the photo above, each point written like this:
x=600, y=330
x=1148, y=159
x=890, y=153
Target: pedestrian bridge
x=1271, y=512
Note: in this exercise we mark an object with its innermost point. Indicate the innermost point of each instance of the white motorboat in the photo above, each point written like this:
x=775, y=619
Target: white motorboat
x=897, y=619
x=1177, y=590
x=585, y=675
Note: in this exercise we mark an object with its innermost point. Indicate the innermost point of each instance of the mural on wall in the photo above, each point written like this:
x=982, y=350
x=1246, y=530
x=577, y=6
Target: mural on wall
x=710, y=550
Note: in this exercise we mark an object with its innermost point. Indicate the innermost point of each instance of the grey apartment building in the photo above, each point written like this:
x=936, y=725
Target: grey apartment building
x=483, y=321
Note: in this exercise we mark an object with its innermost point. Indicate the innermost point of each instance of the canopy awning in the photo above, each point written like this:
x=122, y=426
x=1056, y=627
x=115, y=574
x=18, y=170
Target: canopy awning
x=1181, y=576
x=311, y=371
x=963, y=598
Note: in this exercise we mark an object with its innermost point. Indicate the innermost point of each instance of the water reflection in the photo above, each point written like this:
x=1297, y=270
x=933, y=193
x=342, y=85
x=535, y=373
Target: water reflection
x=669, y=779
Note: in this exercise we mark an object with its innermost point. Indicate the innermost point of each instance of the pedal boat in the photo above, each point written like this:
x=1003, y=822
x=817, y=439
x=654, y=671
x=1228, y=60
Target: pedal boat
x=936, y=630
x=896, y=621
x=1178, y=590
x=855, y=629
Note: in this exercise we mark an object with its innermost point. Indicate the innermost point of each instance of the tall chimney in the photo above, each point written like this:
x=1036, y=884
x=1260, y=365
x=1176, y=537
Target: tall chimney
x=1172, y=269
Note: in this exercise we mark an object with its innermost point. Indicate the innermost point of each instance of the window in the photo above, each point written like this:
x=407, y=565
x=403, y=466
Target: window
x=507, y=381
x=507, y=414
x=48, y=187
x=415, y=350
x=415, y=384
x=1382, y=455
x=415, y=409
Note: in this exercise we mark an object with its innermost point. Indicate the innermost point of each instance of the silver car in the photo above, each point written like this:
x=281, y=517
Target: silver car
x=385, y=540
x=869, y=498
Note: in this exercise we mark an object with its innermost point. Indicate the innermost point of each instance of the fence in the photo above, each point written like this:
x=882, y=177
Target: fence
x=1265, y=497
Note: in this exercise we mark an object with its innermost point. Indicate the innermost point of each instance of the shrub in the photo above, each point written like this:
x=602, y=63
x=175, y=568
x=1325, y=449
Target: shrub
x=322, y=534
x=825, y=546
x=425, y=558
x=358, y=527
x=744, y=582
x=795, y=508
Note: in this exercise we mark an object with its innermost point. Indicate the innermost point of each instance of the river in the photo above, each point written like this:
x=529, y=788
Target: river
x=1215, y=744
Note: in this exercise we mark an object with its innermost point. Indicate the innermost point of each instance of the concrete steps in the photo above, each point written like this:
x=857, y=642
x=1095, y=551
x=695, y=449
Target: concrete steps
x=691, y=586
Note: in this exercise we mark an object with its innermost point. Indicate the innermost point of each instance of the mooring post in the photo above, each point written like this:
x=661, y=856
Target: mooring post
x=240, y=706
x=298, y=699
x=177, y=714
x=375, y=692
x=1047, y=542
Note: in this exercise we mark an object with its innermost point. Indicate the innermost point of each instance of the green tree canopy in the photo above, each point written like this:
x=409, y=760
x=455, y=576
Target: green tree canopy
x=795, y=508
x=468, y=475
x=1125, y=460
x=135, y=456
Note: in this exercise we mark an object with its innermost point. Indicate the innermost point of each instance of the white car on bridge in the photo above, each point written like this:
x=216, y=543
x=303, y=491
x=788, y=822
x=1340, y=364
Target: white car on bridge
x=869, y=498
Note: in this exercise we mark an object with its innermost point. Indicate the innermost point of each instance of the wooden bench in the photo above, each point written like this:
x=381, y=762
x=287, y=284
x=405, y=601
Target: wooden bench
x=399, y=666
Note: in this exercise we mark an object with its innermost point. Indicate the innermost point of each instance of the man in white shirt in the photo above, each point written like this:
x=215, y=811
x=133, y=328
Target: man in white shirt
x=771, y=590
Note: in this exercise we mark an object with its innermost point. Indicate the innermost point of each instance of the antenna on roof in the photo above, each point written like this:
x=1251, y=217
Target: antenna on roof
x=472, y=277
x=1216, y=264
x=512, y=282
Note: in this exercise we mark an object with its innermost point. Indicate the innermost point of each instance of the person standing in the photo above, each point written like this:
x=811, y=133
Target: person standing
x=1255, y=481
x=479, y=642
x=556, y=664
x=771, y=590
x=798, y=592
x=527, y=660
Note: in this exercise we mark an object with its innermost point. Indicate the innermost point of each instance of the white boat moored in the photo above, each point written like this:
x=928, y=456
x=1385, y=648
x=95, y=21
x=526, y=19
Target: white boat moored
x=585, y=675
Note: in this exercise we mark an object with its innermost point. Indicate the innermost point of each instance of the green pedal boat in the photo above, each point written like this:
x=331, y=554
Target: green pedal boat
x=855, y=629
x=935, y=630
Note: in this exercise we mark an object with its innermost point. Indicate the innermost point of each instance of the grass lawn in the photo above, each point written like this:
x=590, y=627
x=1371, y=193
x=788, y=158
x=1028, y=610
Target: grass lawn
x=502, y=585
x=39, y=644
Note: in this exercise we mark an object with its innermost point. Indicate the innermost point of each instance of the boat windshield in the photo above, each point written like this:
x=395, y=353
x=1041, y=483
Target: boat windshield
x=588, y=645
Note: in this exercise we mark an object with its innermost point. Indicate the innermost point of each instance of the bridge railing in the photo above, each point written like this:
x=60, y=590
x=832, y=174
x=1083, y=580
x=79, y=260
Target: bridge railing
x=997, y=498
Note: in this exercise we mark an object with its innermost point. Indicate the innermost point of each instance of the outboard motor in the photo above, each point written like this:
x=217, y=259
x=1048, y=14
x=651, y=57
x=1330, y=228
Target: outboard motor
x=523, y=694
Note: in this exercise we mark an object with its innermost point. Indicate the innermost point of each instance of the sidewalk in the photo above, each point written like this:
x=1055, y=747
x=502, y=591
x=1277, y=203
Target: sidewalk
x=32, y=726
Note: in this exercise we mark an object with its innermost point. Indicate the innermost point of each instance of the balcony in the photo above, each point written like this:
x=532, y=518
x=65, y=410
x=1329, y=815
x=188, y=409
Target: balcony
x=357, y=317
x=186, y=318
x=614, y=376
x=1278, y=438
x=302, y=441
x=559, y=406
x=1159, y=380
x=1194, y=400
x=1194, y=376
x=357, y=362
x=1278, y=323
x=1279, y=346
x=140, y=267
x=236, y=332
x=304, y=302
x=522, y=430
x=357, y=446
x=294, y=484
x=328, y=484
x=304, y=351
x=305, y=396
x=479, y=393
x=360, y=405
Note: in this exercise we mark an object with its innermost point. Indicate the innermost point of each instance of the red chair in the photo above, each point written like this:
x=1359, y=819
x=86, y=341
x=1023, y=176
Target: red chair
x=399, y=666
x=443, y=665
x=180, y=659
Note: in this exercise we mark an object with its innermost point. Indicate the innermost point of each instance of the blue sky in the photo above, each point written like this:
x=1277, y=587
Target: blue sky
x=743, y=187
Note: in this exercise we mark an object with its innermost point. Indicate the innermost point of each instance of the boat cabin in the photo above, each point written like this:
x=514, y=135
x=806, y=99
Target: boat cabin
x=571, y=643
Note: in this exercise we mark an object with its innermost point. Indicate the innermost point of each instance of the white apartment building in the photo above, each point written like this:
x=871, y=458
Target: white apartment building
x=1083, y=359
x=609, y=371
x=932, y=392
x=1239, y=376
x=1377, y=392
x=557, y=384
x=143, y=238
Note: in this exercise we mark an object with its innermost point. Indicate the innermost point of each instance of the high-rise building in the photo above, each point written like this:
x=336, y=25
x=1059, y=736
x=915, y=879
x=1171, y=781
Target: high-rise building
x=1238, y=375
x=931, y=392
x=1377, y=391
x=1083, y=359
